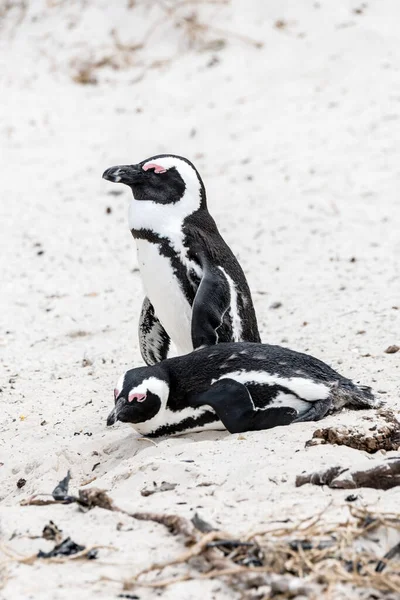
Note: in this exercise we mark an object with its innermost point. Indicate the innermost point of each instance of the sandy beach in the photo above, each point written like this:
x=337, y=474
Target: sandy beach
x=291, y=113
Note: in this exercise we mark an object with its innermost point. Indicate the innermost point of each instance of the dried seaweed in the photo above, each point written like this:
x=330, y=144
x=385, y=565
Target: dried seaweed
x=61, y=553
x=385, y=436
x=306, y=558
x=68, y=548
x=202, y=525
x=180, y=17
x=52, y=532
x=92, y=497
x=87, y=498
x=381, y=475
x=174, y=523
x=60, y=492
x=388, y=556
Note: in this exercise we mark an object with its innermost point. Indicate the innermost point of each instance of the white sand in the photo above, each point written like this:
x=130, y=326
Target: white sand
x=298, y=145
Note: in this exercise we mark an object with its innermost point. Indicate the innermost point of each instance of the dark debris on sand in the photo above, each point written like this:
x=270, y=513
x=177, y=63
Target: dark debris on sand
x=382, y=436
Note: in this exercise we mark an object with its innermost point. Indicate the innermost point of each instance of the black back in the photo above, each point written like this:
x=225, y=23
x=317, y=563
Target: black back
x=201, y=233
x=193, y=373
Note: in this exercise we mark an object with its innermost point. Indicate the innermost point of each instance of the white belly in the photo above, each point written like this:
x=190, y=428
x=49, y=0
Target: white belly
x=167, y=417
x=166, y=295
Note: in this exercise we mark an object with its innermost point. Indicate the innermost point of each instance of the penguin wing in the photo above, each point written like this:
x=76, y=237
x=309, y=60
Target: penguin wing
x=232, y=402
x=211, y=302
x=154, y=341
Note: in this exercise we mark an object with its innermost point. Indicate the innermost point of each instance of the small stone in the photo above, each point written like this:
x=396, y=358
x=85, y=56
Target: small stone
x=392, y=349
x=86, y=362
x=351, y=498
x=275, y=305
x=21, y=482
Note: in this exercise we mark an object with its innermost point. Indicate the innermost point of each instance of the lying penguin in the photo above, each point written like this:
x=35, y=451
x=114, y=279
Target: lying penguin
x=196, y=292
x=237, y=386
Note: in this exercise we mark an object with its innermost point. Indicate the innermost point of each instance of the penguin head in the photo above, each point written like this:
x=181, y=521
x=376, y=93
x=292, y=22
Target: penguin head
x=164, y=179
x=139, y=395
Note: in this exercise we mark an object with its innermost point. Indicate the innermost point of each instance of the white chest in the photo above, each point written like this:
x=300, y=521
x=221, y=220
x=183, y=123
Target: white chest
x=166, y=295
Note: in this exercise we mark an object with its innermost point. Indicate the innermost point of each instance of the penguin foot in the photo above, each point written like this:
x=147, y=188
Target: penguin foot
x=317, y=411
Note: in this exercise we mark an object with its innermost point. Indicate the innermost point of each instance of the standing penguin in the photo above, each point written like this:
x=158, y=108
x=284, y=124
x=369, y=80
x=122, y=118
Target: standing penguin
x=196, y=292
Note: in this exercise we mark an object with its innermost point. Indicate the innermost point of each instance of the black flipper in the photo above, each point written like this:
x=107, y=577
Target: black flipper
x=317, y=410
x=234, y=406
x=211, y=302
x=154, y=341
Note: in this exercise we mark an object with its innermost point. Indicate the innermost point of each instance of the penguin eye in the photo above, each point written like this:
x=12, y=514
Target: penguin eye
x=157, y=168
x=135, y=396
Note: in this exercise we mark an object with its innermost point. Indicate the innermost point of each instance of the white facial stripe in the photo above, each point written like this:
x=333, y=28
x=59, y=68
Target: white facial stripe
x=234, y=311
x=305, y=388
x=154, y=385
x=120, y=384
x=186, y=171
x=167, y=219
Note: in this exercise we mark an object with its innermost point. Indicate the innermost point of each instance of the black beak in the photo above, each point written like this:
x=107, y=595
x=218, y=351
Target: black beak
x=127, y=174
x=112, y=418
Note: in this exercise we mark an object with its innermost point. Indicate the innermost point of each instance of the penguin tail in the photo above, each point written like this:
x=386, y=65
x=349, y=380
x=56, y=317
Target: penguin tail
x=354, y=396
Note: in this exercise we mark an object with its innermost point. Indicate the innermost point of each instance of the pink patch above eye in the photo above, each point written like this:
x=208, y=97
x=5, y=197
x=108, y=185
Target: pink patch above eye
x=157, y=168
x=116, y=393
x=137, y=397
